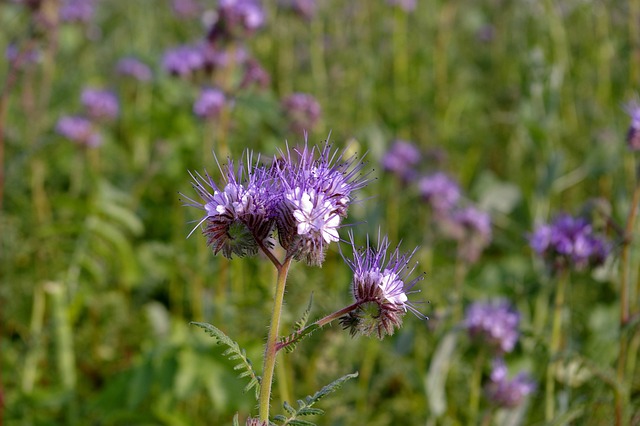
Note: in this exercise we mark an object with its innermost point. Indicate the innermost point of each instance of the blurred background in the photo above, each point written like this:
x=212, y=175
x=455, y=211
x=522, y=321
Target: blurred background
x=107, y=105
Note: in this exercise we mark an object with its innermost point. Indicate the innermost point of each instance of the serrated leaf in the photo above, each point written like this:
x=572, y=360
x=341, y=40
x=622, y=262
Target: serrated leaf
x=332, y=387
x=310, y=411
x=290, y=342
x=234, y=352
x=299, y=422
x=305, y=316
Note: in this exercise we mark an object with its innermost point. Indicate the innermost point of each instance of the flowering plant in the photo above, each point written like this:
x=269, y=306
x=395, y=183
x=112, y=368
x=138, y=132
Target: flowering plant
x=300, y=199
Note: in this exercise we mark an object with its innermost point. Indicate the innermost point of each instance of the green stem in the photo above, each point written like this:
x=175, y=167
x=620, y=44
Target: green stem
x=625, y=291
x=554, y=346
x=272, y=340
x=460, y=274
x=476, y=384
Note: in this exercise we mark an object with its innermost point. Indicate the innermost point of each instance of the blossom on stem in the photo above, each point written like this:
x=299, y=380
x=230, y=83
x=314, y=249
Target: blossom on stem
x=315, y=188
x=100, y=104
x=237, y=217
x=210, y=103
x=79, y=130
x=569, y=242
x=494, y=324
x=507, y=393
x=133, y=67
x=440, y=191
x=401, y=159
x=471, y=227
x=380, y=286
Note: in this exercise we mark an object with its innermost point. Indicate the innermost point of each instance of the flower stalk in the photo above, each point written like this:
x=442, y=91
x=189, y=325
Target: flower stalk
x=554, y=345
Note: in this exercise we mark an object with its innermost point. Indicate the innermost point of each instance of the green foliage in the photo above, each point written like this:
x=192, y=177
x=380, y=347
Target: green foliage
x=234, y=352
x=305, y=407
x=290, y=342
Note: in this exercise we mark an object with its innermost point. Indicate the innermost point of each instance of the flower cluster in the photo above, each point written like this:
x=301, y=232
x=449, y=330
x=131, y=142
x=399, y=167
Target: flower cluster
x=569, y=242
x=380, y=286
x=494, y=324
x=79, y=11
x=507, y=393
x=454, y=216
x=303, y=195
x=100, y=106
x=210, y=103
x=401, y=159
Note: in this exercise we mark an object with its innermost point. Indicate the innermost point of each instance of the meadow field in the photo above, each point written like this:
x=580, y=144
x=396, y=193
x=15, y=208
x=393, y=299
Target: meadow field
x=499, y=138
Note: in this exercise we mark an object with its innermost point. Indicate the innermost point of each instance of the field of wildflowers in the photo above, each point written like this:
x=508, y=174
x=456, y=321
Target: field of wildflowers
x=297, y=212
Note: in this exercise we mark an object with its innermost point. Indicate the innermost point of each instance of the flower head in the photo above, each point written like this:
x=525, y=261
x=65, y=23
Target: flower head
x=315, y=189
x=569, y=241
x=380, y=286
x=80, y=11
x=440, y=191
x=507, y=393
x=79, y=130
x=133, y=67
x=210, y=103
x=494, y=324
x=182, y=61
x=100, y=104
x=401, y=159
x=237, y=217
x=471, y=227
x=633, y=134
x=237, y=19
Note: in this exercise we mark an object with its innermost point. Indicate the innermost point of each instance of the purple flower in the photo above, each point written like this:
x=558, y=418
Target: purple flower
x=133, y=67
x=507, y=393
x=209, y=103
x=494, y=324
x=569, y=241
x=401, y=159
x=440, y=191
x=100, y=104
x=302, y=111
x=185, y=9
x=80, y=11
x=237, y=216
x=254, y=74
x=20, y=57
x=315, y=191
x=79, y=130
x=237, y=18
x=633, y=134
x=182, y=61
x=380, y=286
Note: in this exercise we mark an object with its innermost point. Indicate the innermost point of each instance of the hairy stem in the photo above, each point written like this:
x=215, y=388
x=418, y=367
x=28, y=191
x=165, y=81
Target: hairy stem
x=554, y=345
x=272, y=341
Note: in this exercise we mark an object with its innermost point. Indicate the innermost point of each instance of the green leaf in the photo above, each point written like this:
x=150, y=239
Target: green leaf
x=437, y=375
x=234, y=352
x=235, y=420
x=305, y=406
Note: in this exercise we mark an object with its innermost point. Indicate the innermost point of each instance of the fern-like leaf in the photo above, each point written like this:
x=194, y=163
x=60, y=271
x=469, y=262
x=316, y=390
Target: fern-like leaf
x=233, y=353
x=305, y=316
x=305, y=406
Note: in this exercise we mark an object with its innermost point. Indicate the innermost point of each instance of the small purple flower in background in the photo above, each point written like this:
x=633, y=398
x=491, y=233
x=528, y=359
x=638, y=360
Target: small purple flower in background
x=440, y=191
x=100, y=104
x=306, y=9
x=186, y=9
x=633, y=134
x=133, y=67
x=401, y=159
x=237, y=217
x=302, y=111
x=79, y=130
x=507, y=393
x=80, y=11
x=380, y=286
x=182, y=61
x=21, y=58
x=494, y=324
x=254, y=74
x=209, y=104
x=316, y=187
x=569, y=242
x=237, y=18
x=471, y=227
